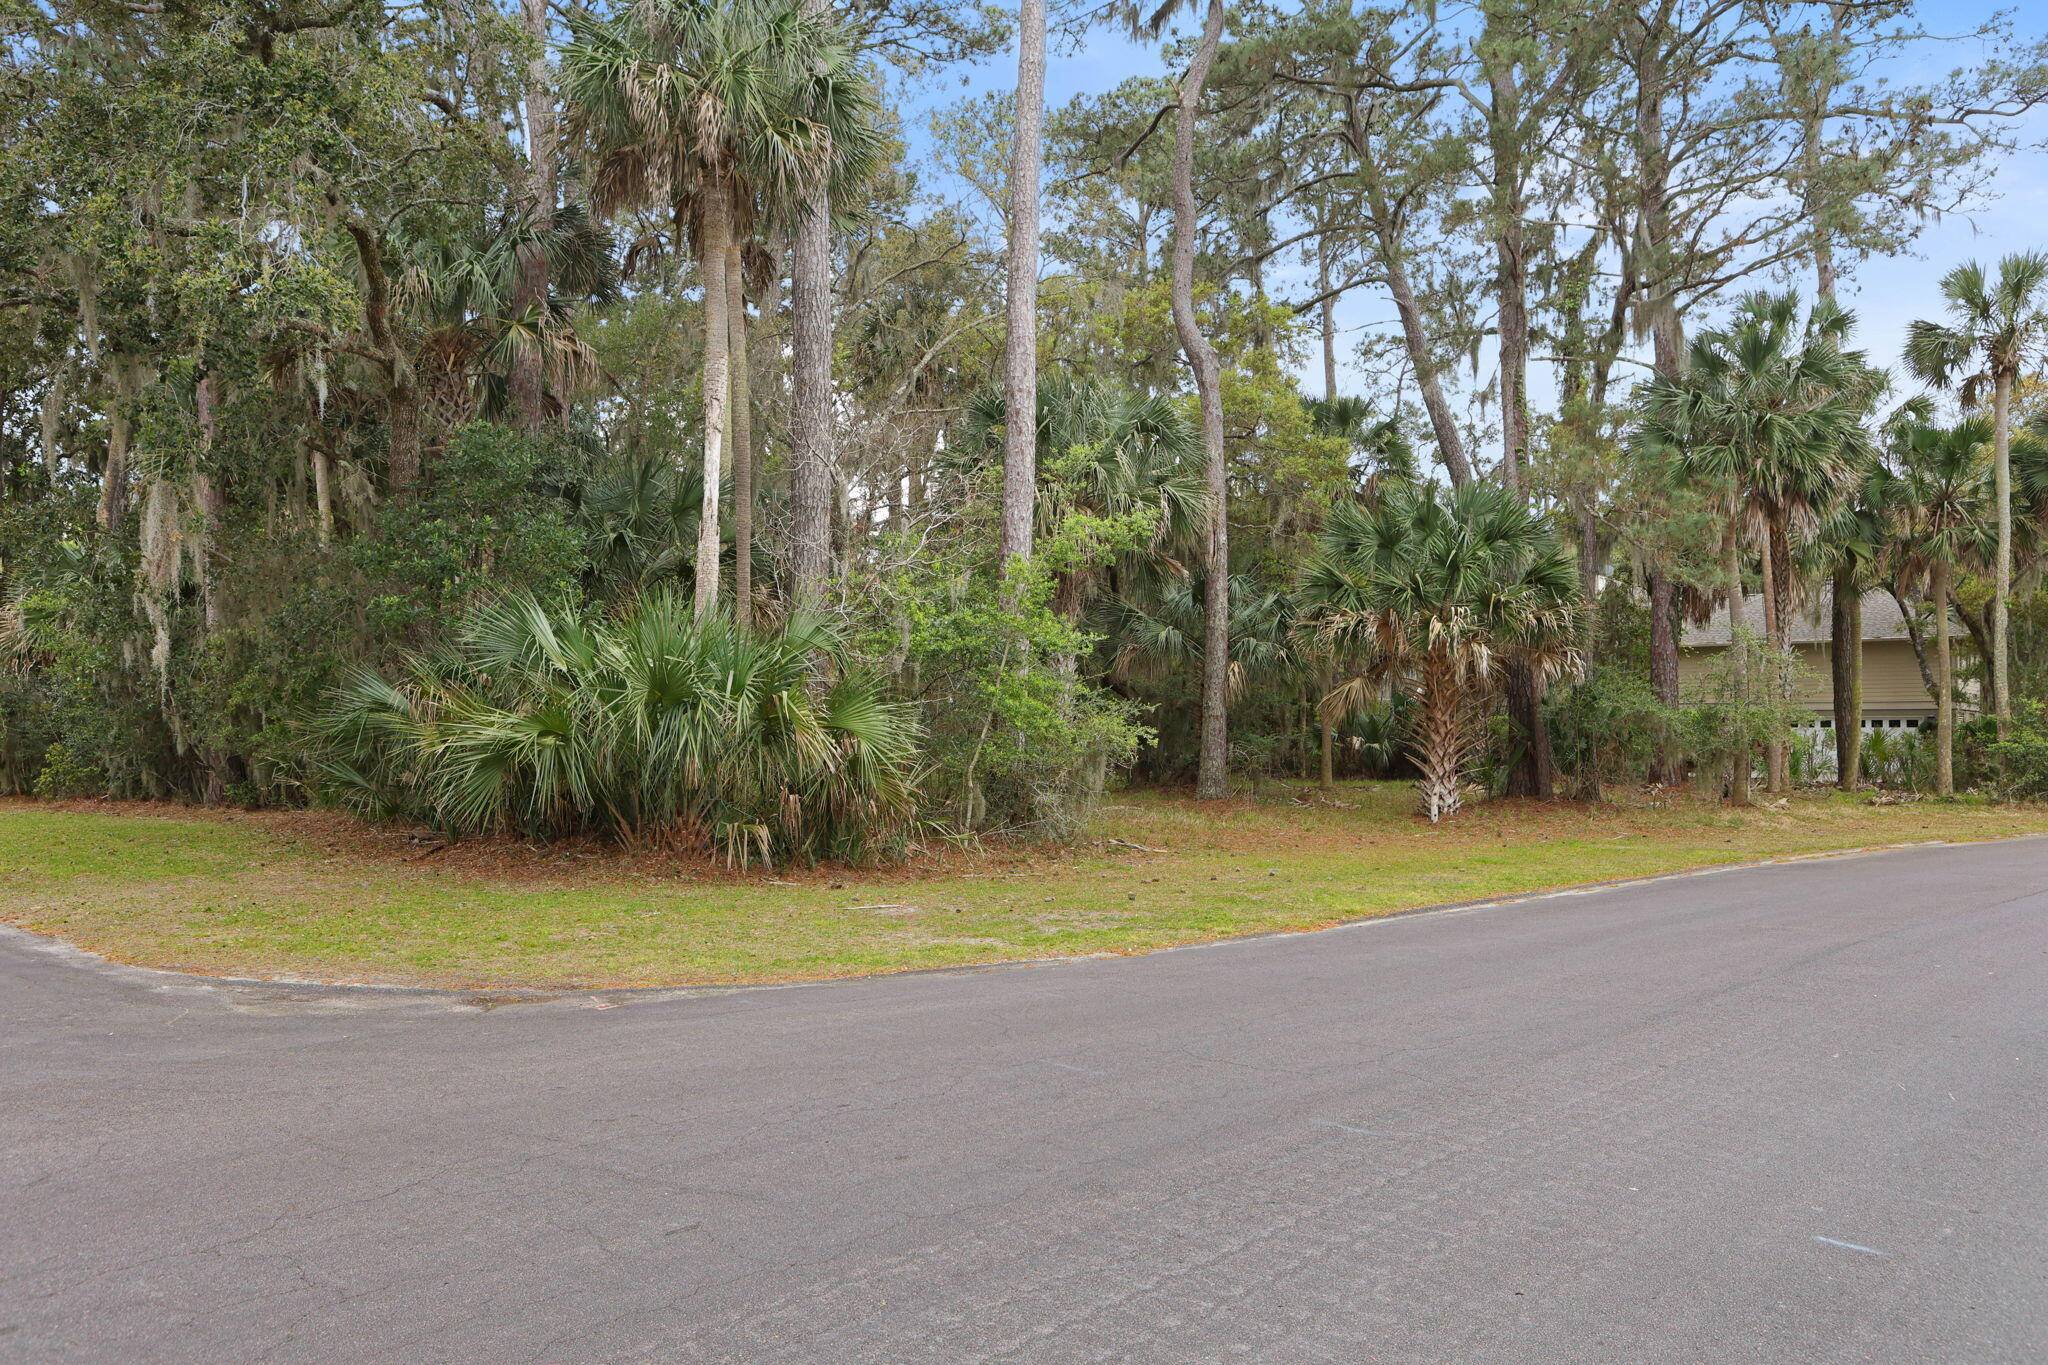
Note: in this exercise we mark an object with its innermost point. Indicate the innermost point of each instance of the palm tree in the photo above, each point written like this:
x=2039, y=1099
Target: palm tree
x=1993, y=329
x=1849, y=552
x=1159, y=628
x=1772, y=412
x=1160, y=636
x=1377, y=443
x=1107, y=450
x=717, y=112
x=1936, y=496
x=487, y=343
x=1432, y=591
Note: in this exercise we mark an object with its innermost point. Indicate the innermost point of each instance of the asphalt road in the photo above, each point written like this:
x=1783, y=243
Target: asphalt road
x=1798, y=1112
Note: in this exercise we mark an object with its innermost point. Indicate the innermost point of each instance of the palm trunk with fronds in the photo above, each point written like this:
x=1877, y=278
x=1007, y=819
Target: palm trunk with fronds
x=714, y=238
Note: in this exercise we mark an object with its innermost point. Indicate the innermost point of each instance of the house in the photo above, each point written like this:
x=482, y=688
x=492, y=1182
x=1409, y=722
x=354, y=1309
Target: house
x=1895, y=696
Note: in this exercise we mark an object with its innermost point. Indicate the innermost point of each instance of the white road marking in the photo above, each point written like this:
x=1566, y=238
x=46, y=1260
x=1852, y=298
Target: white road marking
x=1851, y=1246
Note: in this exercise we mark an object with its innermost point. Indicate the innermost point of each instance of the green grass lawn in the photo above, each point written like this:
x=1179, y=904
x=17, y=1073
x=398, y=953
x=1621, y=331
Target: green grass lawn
x=320, y=897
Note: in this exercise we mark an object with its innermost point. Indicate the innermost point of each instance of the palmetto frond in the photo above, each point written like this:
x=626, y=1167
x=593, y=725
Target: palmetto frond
x=1107, y=450
x=1771, y=411
x=1937, y=495
x=1161, y=637
x=759, y=97
x=1993, y=326
x=1429, y=591
x=1378, y=442
x=649, y=725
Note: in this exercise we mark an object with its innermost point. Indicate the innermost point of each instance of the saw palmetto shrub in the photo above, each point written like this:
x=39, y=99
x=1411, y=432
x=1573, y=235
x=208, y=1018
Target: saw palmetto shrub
x=644, y=724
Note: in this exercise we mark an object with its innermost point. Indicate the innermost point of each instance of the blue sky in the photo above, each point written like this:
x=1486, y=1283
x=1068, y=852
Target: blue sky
x=1887, y=295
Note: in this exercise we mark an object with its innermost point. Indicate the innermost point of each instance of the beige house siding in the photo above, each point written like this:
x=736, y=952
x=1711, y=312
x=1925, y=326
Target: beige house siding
x=1891, y=677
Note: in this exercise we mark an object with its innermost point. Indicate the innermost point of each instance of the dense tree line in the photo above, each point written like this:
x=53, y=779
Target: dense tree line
x=382, y=379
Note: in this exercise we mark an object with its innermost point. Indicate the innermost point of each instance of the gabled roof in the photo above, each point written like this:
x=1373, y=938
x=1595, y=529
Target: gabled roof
x=1811, y=624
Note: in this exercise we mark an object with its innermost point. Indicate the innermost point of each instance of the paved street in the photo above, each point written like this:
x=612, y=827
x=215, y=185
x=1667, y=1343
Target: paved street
x=1797, y=1112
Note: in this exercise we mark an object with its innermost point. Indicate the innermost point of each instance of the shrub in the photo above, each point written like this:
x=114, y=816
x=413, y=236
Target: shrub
x=2011, y=769
x=489, y=520
x=1605, y=728
x=1019, y=742
x=647, y=725
x=1736, y=711
x=66, y=773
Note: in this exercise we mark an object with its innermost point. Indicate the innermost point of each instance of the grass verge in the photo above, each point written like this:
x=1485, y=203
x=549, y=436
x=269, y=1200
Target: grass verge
x=319, y=897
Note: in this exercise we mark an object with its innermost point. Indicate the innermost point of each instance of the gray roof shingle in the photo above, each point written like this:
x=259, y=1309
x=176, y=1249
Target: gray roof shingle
x=1811, y=622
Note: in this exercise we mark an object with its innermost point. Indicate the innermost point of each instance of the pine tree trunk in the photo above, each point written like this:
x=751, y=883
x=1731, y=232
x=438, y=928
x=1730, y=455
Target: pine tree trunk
x=1327, y=316
x=1213, y=778
x=1511, y=273
x=1846, y=665
x=1944, y=688
x=528, y=382
x=715, y=236
x=1589, y=577
x=1534, y=773
x=1020, y=346
x=1449, y=443
x=742, y=427
x=2001, y=589
x=813, y=459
